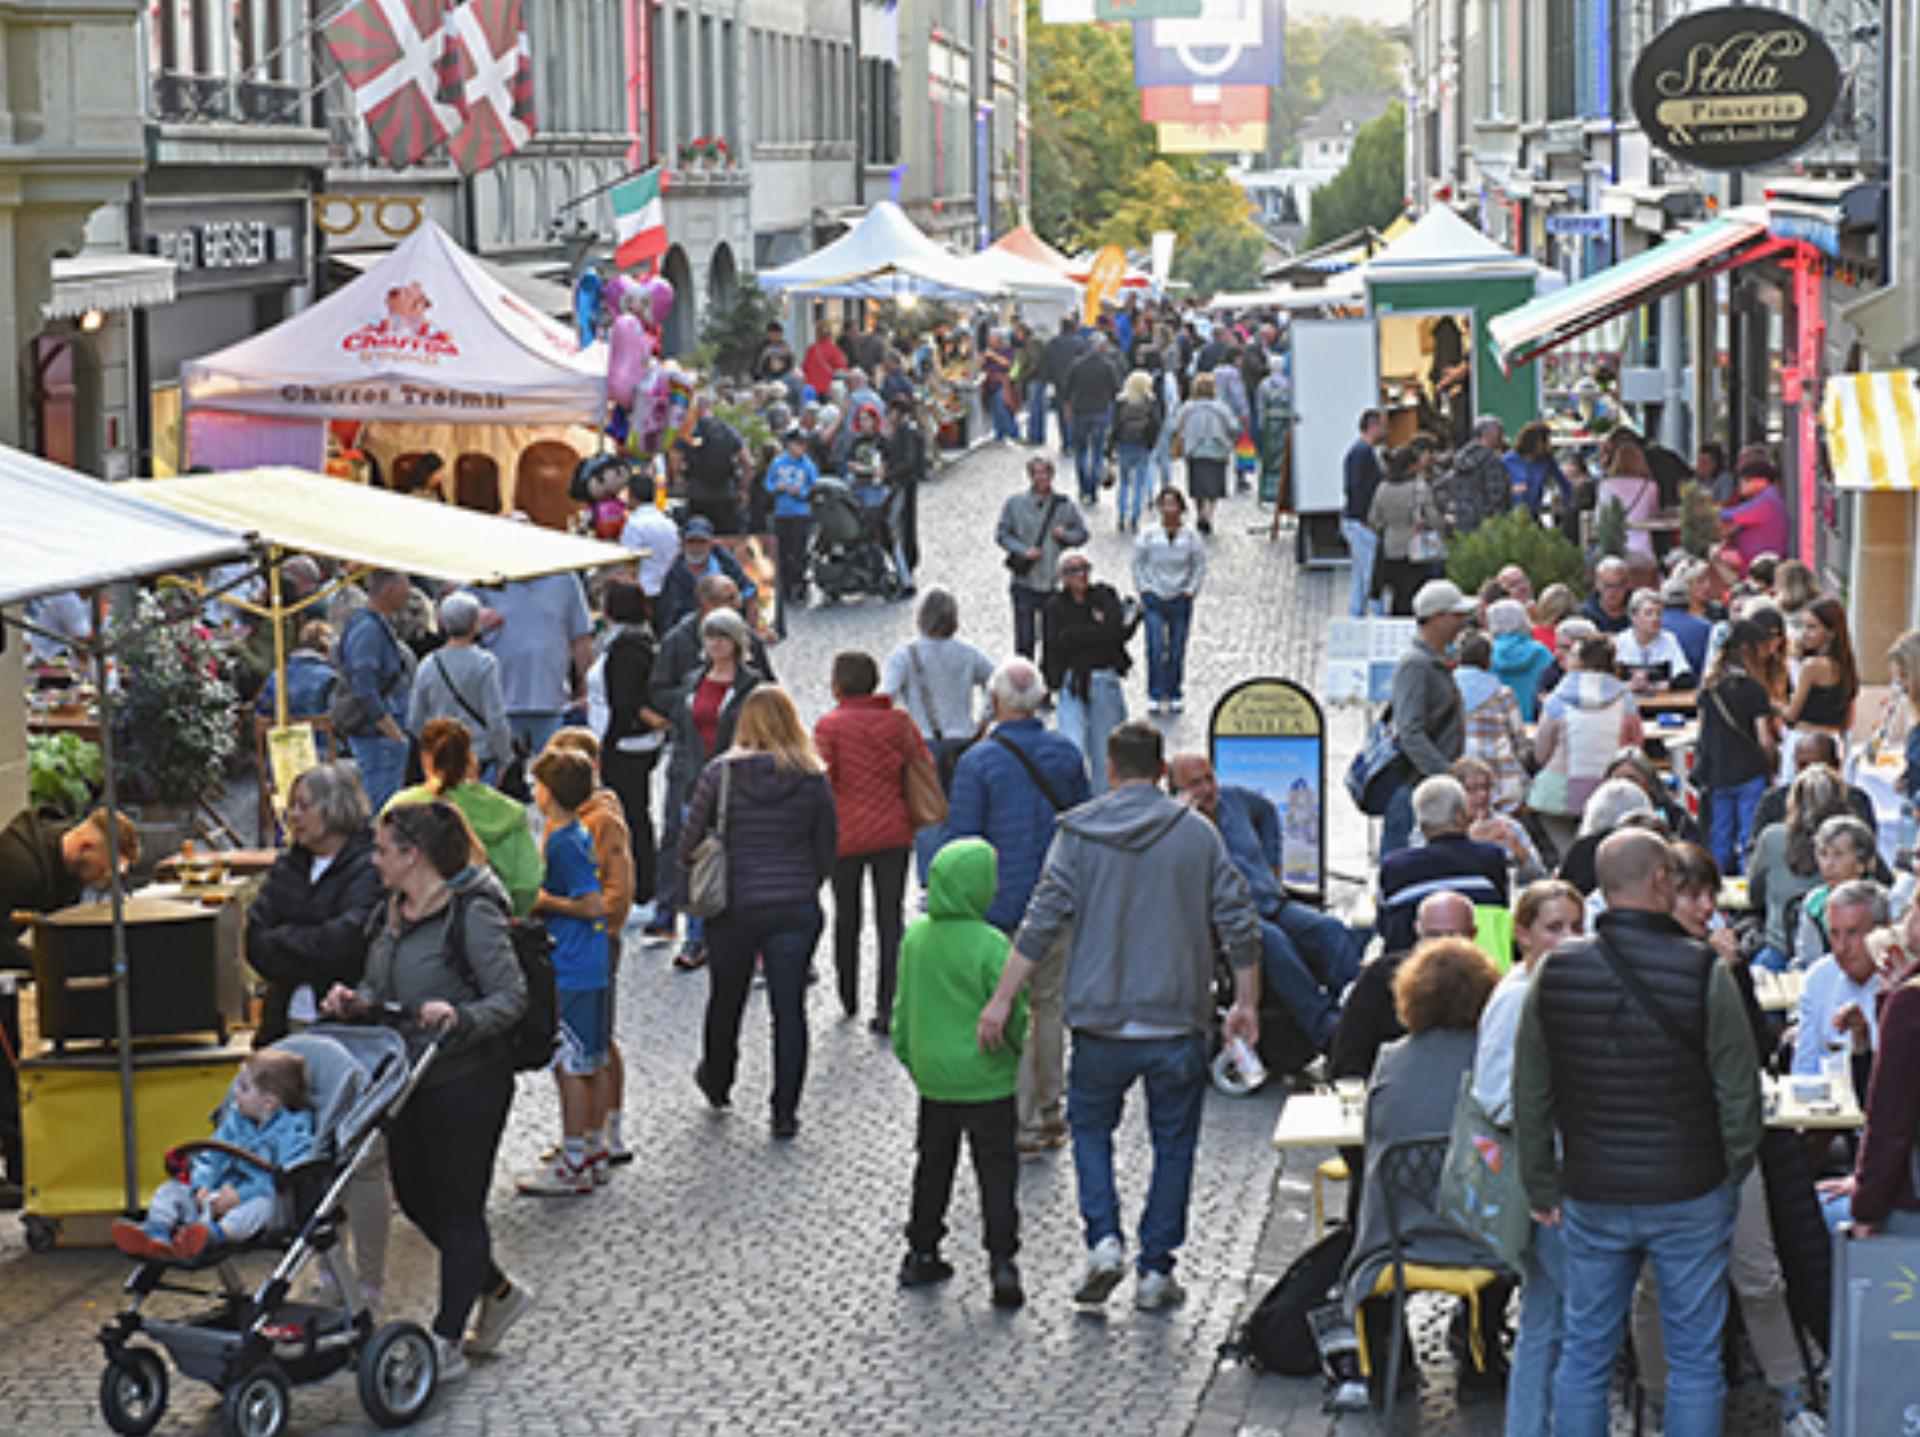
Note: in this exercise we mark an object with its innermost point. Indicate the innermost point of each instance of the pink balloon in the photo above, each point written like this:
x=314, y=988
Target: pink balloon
x=652, y=407
x=609, y=518
x=629, y=355
x=660, y=298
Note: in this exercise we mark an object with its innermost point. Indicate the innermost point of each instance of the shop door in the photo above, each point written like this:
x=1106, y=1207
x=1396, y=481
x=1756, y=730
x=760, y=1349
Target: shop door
x=54, y=401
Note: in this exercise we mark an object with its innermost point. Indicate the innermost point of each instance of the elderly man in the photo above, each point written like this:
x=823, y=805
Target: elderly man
x=1429, y=719
x=1307, y=957
x=1480, y=486
x=376, y=671
x=1369, y=1021
x=542, y=636
x=1010, y=790
x=699, y=557
x=1636, y=1098
x=1606, y=607
x=1036, y=527
x=1840, y=1001
x=1140, y=889
x=1446, y=861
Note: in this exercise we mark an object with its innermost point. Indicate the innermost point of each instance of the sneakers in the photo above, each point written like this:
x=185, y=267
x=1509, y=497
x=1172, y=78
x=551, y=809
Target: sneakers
x=1804, y=1423
x=786, y=1128
x=690, y=958
x=600, y=1168
x=923, y=1269
x=619, y=1154
x=192, y=1240
x=1175, y=706
x=135, y=1241
x=558, y=1178
x=450, y=1361
x=1106, y=1265
x=496, y=1315
x=1158, y=1290
x=1005, y=1278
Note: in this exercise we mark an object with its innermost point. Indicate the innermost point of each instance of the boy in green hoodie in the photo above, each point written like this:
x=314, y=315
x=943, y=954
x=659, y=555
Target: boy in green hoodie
x=950, y=962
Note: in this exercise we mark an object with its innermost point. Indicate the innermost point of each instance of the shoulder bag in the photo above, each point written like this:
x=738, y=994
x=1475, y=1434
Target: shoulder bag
x=1033, y=771
x=1480, y=1191
x=926, y=799
x=1375, y=771
x=1694, y=1043
x=1020, y=564
x=707, y=872
x=946, y=751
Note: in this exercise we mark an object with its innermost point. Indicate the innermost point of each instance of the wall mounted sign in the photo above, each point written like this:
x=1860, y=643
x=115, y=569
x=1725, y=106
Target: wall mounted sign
x=229, y=244
x=1585, y=226
x=1734, y=88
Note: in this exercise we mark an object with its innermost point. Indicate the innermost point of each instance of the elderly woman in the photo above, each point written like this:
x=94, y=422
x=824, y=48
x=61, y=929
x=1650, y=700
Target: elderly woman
x=1612, y=804
x=1488, y=824
x=461, y=681
x=1651, y=659
x=941, y=681
x=499, y=823
x=1785, y=863
x=1205, y=429
x=1084, y=658
x=441, y=950
x=1633, y=765
x=1438, y=994
x=1519, y=660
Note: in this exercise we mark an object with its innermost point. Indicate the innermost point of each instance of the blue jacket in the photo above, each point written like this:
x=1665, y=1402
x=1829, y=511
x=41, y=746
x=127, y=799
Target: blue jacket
x=995, y=799
x=310, y=680
x=372, y=662
x=676, y=599
x=283, y=1139
x=1250, y=826
x=1518, y=661
x=1694, y=634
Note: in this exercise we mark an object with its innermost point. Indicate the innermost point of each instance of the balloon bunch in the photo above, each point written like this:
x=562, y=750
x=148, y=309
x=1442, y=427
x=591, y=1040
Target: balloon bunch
x=630, y=313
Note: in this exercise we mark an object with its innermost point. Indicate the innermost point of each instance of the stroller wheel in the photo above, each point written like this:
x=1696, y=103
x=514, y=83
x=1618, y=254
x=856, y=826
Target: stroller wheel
x=256, y=1405
x=133, y=1391
x=397, y=1374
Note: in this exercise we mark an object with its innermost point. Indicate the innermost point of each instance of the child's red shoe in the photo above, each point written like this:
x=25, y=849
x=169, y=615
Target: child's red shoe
x=191, y=1240
x=136, y=1241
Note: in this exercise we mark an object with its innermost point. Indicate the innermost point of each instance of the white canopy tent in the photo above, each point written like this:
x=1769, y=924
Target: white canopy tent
x=426, y=333
x=1042, y=293
x=884, y=256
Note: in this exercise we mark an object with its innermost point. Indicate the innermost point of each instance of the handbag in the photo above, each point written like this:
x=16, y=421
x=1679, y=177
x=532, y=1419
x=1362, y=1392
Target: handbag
x=1375, y=771
x=1426, y=547
x=707, y=873
x=1480, y=1192
x=926, y=800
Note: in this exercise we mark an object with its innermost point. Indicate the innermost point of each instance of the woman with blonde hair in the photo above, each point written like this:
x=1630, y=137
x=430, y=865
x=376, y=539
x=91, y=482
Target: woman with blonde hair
x=1136, y=428
x=768, y=795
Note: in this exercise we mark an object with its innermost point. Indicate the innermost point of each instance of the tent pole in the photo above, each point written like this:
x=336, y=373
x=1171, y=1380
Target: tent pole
x=276, y=616
x=116, y=896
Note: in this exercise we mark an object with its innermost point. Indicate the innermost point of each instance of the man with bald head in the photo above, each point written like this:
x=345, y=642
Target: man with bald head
x=1637, y=1112
x=1369, y=1019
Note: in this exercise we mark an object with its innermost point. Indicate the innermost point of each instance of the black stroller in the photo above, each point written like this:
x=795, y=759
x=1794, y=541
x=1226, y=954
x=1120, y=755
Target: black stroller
x=852, y=541
x=253, y=1346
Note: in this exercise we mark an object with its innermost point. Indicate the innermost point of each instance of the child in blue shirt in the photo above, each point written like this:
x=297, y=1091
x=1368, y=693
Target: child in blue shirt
x=223, y=1198
x=575, y=910
x=790, y=479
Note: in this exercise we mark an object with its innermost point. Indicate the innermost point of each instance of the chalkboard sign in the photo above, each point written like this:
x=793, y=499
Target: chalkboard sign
x=1876, y=1337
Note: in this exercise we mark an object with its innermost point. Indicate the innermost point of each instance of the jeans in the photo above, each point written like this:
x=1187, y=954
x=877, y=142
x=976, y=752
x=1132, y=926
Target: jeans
x=1536, y=1348
x=1290, y=979
x=173, y=1206
x=1088, y=721
x=1027, y=603
x=1330, y=948
x=383, y=766
x=534, y=727
x=1168, y=621
x=1163, y=458
x=1089, y=450
x=1730, y=817
x=1396, y=832
x=1687, y=1242
x=1364, y=545
x=988, y=1128
x=1175, y=1073
x=889, y=869
x=1005, y=426
x=1037, y=411
x=897, y=527
x=440, y=1148
x=783, y=936
x=1136, y=472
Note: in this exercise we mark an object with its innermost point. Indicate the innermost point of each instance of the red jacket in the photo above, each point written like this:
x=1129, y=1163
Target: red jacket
x=823, y=361
x=867, y=743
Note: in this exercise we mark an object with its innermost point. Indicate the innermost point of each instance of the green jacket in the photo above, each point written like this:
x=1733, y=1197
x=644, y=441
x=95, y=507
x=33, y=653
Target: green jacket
x=500, y=823
x=950, y=963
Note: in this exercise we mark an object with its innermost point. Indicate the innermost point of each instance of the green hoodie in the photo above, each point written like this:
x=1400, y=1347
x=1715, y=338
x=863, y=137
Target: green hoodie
x=500, y=823
x=950, y=963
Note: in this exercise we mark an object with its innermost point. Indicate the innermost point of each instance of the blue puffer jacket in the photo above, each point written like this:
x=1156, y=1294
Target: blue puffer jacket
x=282, y=1140
x=1518, y=662
x=994, y=798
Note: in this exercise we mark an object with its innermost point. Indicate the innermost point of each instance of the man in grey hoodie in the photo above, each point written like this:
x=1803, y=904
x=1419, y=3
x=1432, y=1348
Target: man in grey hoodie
x=1139, y=886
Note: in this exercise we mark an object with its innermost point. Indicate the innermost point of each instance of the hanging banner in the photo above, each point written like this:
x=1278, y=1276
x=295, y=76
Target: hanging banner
x=1735, y=88
x=1227, y=139
x=1103, y=281
x=1084, y=12
x=1225, y=47
x=1269, y=735
x=1162, y=257
x=1203, y=104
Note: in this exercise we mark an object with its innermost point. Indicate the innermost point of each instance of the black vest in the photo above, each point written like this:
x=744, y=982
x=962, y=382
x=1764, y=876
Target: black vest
x=1636, y=1112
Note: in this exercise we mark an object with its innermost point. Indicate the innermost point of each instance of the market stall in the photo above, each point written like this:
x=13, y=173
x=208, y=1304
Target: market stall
x=426, y=336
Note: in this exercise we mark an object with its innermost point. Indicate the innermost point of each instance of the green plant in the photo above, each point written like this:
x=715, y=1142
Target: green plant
x=736, y=325
x=1610, y=530
x=750, y=423
x=1545, y=555
x=63, y=771
x=173, y=725
x=1699, y=519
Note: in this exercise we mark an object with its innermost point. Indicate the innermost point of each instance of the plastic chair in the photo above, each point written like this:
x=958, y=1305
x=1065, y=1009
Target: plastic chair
x=1333, y=1170
x=1409, y=1171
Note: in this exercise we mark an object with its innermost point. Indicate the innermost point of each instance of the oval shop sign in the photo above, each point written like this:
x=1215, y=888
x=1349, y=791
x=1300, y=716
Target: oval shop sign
x=1734, y=88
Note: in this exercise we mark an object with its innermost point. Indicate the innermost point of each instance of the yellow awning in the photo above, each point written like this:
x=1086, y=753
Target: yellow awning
x=301, y=512
x=1873, y=429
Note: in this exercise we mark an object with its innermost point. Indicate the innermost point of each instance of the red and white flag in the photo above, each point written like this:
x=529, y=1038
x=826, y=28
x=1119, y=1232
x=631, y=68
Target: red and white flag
x=496, y=74
x=389, y=52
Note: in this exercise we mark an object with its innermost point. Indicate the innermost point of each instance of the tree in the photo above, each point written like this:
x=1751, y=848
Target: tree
x=1371, y=190
x=736, y=325
x=1327, y=59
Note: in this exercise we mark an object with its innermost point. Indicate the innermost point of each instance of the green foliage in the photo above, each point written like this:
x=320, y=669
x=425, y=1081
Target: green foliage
x=1371, y=190
x=1546, y=555
x=1325, y=60
x=751, y=422
x=1221, y=259
x=174, y=716
x=63, y=771
x=735, y=325
x=1610, y=530
x=1699, y=519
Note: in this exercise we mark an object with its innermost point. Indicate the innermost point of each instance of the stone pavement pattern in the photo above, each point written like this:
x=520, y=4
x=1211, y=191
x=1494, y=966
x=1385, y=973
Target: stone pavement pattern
x=725, y=1283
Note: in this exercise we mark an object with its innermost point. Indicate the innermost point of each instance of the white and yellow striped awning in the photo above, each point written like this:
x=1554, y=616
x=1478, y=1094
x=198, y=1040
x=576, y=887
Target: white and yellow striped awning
x=1873, y=429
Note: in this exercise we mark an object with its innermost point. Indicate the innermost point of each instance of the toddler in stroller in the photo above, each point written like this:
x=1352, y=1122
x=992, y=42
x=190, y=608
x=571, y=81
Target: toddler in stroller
x=853, y=544
x=222, y=1195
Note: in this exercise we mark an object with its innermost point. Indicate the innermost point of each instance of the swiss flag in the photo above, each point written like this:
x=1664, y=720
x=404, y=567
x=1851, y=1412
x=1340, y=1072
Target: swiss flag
x=496, y=83
x=389, y=53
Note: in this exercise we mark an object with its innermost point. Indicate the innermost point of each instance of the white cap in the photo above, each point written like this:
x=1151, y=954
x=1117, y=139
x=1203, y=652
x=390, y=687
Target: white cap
x=1441, y=596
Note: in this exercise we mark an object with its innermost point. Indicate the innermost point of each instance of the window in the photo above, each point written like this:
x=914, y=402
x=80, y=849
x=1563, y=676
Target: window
x=880, y=116
x=709, y=92
x=1562, y=59
x=728, y=122
x=682, y=77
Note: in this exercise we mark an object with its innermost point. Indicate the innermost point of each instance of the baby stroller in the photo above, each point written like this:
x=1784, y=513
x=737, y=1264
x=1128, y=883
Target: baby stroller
x=252, y=1346
x=852, y=540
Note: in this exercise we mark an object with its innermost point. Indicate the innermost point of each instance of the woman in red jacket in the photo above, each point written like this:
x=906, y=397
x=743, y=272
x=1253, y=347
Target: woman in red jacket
x=867, y=744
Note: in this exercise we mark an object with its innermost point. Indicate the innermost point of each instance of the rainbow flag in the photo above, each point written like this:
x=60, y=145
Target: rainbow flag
x=1246, y=458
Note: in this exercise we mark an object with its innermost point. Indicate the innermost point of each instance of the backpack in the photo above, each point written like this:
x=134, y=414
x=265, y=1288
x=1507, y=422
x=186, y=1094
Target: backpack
x=1131, y=422
x=1277, y=1337
x=531, y=1040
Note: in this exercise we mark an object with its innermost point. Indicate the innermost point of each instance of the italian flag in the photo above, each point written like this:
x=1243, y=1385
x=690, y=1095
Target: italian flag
x=640, y=221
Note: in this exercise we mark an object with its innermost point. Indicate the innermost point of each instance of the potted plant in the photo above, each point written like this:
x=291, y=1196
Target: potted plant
x=1516, y=537
x=173, y=719
x=63, y=772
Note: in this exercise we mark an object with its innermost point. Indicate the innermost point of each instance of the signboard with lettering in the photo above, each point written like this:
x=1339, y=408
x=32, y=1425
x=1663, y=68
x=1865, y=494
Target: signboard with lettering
x=1735, y=87
x=1270, y=736
x=230, y=245
x=1876, y=1336
x=1583, y=226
